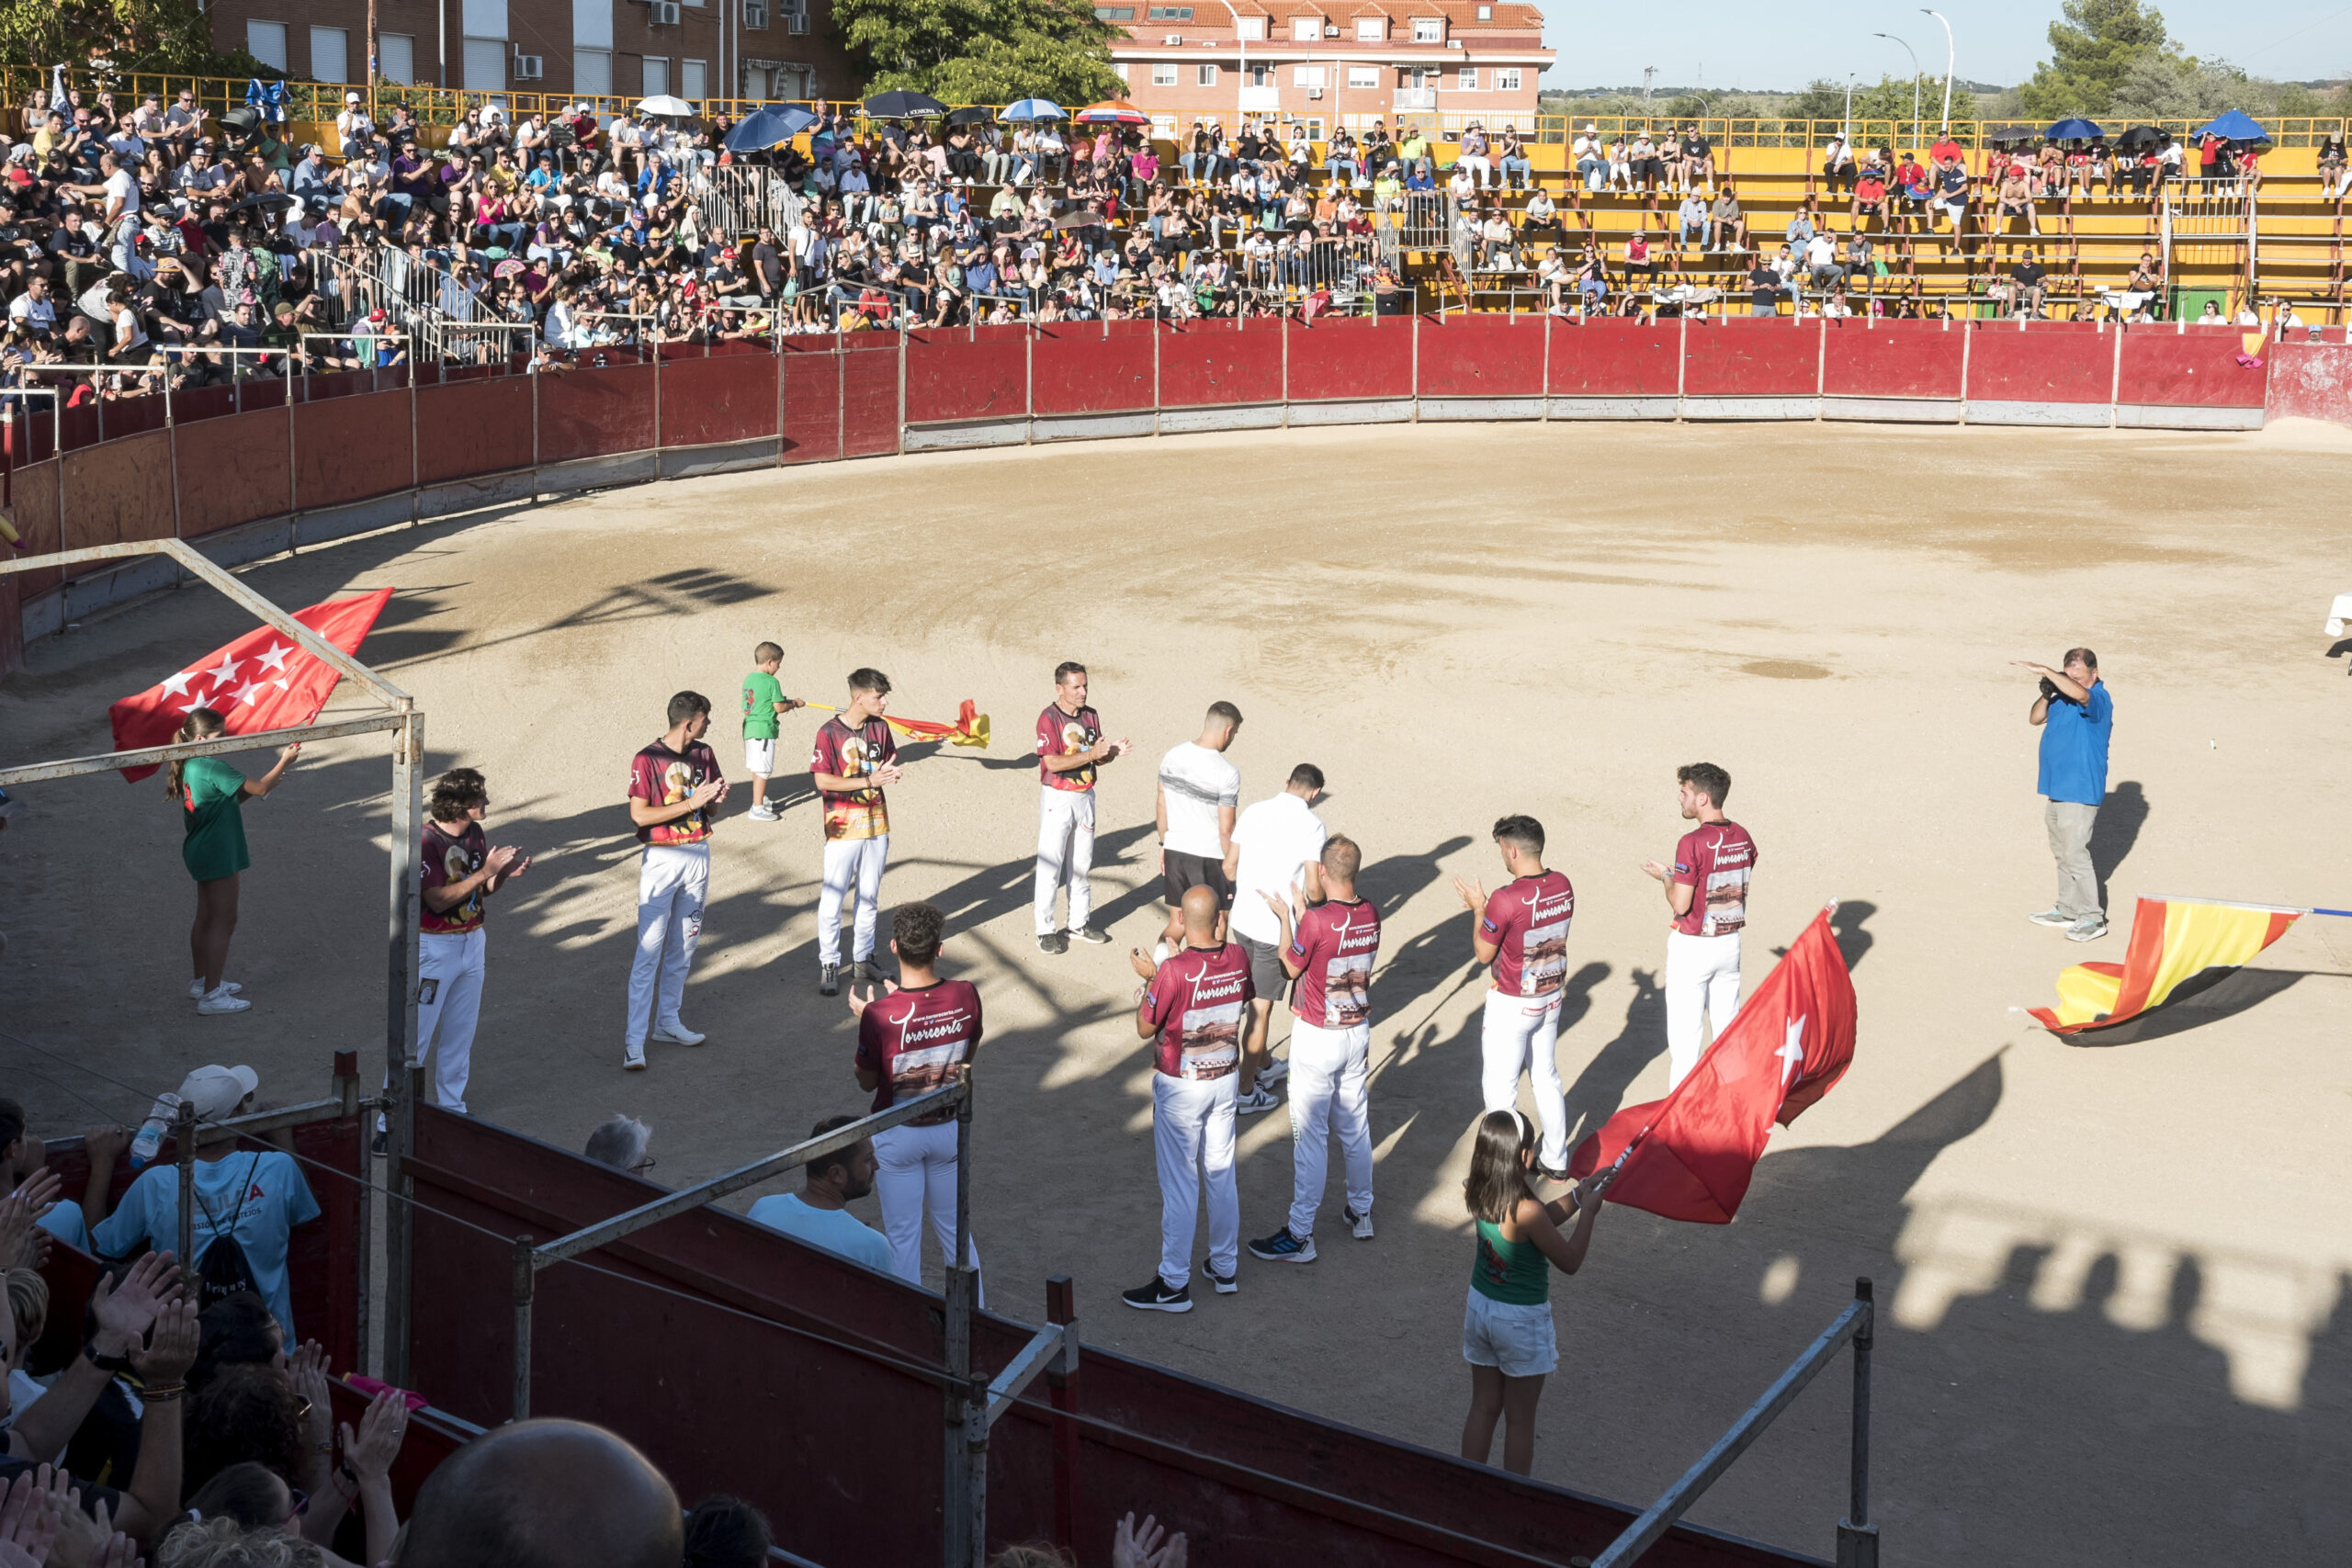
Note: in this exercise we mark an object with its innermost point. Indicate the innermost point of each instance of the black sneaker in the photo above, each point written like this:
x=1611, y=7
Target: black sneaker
x=828, y=979
x=866, y=972
x=1283, y=1247
x=1157, y=1297
x=1226, y=1283
x=1092, y=933
x=1052, y=942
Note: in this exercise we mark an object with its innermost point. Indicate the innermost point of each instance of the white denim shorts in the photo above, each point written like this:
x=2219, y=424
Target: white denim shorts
x=1517, y=1339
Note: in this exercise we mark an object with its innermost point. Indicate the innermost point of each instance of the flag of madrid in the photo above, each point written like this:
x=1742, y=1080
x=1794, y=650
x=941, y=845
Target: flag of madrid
x=262, y=680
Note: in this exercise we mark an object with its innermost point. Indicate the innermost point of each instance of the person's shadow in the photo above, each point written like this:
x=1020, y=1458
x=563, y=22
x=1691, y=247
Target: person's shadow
x=2117, y=828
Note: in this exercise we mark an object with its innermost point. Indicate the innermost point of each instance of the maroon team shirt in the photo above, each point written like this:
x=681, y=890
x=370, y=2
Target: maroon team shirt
x=1714, y=862
x=915, y=1039
x=848, y=753
x=660, y=777
x=442, y=861
x=1199, y=1001
x=1333, y=947
x=1526, y=920
x=1063, y=734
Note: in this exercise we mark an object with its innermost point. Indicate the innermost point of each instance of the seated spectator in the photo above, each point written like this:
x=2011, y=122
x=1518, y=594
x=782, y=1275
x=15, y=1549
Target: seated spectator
x=819, y=1212
x=623, y=1142
x=544, y=1493
x=1727, y=225
x=726, y=1532
x=1691, y=219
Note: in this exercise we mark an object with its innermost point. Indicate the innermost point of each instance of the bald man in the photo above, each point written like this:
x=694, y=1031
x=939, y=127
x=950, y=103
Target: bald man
x=544, y=1494
x=1193, y=1008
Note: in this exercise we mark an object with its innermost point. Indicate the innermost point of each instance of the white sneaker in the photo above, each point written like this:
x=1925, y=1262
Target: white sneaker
x=632, y=1058
x=1257, y=1099
x=1274, y=1072
x=677, y=1034
x=1360, y=1224
x=763, y=812
x=196, y=989
x=220, y=1001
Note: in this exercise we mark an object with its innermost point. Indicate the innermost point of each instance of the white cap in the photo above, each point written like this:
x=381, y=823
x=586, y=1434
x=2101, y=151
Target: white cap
x=216, y=1092
x=351, y=97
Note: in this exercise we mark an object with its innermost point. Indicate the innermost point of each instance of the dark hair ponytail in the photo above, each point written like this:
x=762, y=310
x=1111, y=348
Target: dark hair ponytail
x=201, y=724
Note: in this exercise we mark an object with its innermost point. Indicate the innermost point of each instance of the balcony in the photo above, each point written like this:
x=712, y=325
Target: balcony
x=1416, y=100
x=1262, y=100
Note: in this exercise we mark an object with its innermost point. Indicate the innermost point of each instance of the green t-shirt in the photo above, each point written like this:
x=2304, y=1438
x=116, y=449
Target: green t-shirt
x=1514, y=1273
x=215, y=846
x=762, y=692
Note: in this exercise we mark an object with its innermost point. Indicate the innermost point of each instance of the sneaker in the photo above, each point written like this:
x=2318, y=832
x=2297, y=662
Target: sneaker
x=1227, y=1284
x=383, y=1144
x=1360, y=1224
x=2052, y=917
x=866, y=972
x=1155, y=1296
x=764, y=812
x=196, y=989
x=1274, y=1072
x=220, y=1000
x=828, y=979
x=2090, y=927
x=1283, y=1247
x=1257, y=1099
x=1094, y=934
x=677, y=1034
x=633, y=1058
x=1052, y=942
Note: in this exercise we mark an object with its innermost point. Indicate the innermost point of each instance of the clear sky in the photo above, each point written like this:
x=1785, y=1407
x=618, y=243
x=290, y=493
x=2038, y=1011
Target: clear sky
x=1739, y=43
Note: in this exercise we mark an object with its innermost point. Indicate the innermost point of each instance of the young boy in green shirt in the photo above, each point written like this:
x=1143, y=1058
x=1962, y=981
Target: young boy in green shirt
x=764, y=700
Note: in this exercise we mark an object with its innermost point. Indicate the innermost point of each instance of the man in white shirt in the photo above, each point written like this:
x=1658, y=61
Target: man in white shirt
x=1199, y=794
x=32, y=307
x=818, y=1213
x=1277, y=844
x=352, y=127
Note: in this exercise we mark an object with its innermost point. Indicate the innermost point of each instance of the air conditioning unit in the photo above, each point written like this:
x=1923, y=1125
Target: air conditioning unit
x=1314, y=92
x=665, y=13
x=1172, y=38
x=1450, y=44
x=799, y=18
x=755, y=13
x=1330, y=29
x=530, y=67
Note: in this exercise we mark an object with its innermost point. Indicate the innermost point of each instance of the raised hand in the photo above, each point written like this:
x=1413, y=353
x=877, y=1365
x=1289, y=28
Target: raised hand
x=28, y=1523
x=170, y=1348
x=307, y=1371
x=1473, y=893
x=370, y=1452
x=1143, y=964
x=128, y=1306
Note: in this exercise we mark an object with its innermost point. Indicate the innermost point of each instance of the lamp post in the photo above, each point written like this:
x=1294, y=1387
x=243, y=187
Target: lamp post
x=1949, y=56
x=1915, y=84
x=1846, y=126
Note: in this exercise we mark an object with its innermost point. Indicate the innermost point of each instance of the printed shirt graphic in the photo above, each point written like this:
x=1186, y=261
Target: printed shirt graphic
x=445, y=861
x=762, y=692
x=853, y=754
x=1714, y=862
x=1334, y=947
x=1198, y=1000
x=1526, y=920
x=1062, y=734
x=660, y=777
x=916, y=1039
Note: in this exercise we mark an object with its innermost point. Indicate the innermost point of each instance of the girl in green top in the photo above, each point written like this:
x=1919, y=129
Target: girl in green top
x=211, y=795
x=1507, y=1333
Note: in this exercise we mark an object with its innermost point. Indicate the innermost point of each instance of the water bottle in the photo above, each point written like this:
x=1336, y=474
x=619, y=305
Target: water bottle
x=159, y=1120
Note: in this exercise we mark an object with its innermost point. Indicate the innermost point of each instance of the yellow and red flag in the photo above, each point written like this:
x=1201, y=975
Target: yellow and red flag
x=2173, y=941
x=970, y=729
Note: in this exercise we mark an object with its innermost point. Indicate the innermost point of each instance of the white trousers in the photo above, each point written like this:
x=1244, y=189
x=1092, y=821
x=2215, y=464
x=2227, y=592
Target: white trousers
x=1521, y=1035
x=1702, y=978
x=1065, y=853
x=448, y=1000
x=1191, y=1137
x=672, y=885
x=1330, y=1094
x=849, y=862
x=915, y=1168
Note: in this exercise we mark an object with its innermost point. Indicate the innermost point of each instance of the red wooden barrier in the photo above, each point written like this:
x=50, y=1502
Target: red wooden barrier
x=954, y=374
x=1075, y=368
x=1352, y=359
x=1481, y=357
x=812, y=407
x=121, y=493
x=723, y=398
x=2163, y=367
x=1217, y=361
x=2037, y=375
x=34, y=515
x=2308, y=380
x=204, y=402
x=1744, y=357
x=465, y=429
x=233, y=470
x=128, y=416
x=351, y=449
x=255, y=392
x=1893, y=359
x=1607, y=358
x=595, y=414
x=78, y=427
x=869, y=394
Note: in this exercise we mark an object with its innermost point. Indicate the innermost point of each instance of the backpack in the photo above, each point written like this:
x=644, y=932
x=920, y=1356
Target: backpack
x=222, y=1269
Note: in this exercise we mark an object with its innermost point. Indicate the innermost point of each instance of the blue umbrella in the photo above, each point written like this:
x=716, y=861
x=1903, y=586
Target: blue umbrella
x=2234, y=126
x=2073, y=130
x=1032, y=109
x=769, y=127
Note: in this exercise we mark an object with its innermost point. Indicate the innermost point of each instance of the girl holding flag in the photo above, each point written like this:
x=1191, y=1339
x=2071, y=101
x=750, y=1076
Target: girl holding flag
x=212, y=795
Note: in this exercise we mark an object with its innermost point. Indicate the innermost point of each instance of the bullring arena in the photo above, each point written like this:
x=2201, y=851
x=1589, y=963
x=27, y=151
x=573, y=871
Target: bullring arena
x=2114, y=1284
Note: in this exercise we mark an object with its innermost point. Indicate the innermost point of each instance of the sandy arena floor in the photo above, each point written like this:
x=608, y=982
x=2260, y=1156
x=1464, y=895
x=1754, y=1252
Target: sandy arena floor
x=2121, y=1278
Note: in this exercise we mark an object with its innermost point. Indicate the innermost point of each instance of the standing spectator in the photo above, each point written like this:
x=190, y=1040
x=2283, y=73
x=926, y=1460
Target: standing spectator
x=2077, y=716
x=1276, y=846
x=675, y=788
x=623, y=1142
x=1522, y=931
x=1070, y=749
x=1950, y=196
x=763, y=703
x=910, y=1043
x=458, y=872
x=853, y=760
x=1199, y=794
x=1706, y=890
x=818, y=1213
x=211, y=795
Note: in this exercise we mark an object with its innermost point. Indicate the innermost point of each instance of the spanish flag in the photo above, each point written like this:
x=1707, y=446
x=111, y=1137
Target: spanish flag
x=2173, y=941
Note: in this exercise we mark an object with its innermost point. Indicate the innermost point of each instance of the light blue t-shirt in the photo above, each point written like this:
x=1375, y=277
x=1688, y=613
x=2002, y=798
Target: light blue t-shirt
x=66, y=1223
x=2073, y=748
x=275, y=1199
x=836, y=1230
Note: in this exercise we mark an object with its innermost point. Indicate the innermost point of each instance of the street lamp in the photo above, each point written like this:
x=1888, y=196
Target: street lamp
x=1915, y=82
x=1846, y=126
x=1241, y=43
x=1949, y=56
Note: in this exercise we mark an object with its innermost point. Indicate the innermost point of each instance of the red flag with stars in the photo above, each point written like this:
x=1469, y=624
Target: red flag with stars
x=1695, y=1151
x=262, y=680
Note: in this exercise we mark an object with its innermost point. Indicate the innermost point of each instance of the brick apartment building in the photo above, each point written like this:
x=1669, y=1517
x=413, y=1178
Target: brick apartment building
x=696, y=48
x=1329, y=63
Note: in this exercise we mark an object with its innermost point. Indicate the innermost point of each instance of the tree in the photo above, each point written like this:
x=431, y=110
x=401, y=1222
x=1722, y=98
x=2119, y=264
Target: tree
x=2168, y=87
x=987, y=52
x=2090, y=54
x=128, y=34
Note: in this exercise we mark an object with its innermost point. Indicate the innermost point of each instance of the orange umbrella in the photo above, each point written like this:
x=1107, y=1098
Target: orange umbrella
x=1111, y=111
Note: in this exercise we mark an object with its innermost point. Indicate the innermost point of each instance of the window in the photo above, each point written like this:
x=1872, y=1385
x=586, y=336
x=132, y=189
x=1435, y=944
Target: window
x=1364, y=75
x=1252, y=28
x=694, y=80
x=398, y=52
x=1506, y=80
x=1205, y=75
x=1371, y=29
x=1120, y=70
x=1168, y=13
x=1163, y=75
x=1307, y=76
x=657, y=75
x=1486, y=13
x=1262, y=75
x=592, y=72
x=1305, y=30
x=1429, y=29
x=1467, y=79
x=266, y=41
x=485, y=63
x=330, y=54
x=1114, y=13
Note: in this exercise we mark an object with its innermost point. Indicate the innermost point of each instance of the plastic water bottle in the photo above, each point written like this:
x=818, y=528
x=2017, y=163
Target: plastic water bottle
x=160, y=1118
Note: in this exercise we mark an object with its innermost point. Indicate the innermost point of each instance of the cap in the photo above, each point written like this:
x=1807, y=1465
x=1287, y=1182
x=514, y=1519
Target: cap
x=351, y=97
x=376, y=316
x=215, y=1092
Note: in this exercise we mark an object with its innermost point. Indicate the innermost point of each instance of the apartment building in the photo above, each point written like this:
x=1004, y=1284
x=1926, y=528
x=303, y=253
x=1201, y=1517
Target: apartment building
x=766, y=49
x=1329, y=63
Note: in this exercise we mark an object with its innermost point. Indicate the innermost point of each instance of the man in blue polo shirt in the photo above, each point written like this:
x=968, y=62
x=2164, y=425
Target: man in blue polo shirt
x=2077, y=718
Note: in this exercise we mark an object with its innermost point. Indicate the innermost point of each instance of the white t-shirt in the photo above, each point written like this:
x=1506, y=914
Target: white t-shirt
x=1196, y=783
x=1277, y=838
x=121, y=188
x=836, y=1230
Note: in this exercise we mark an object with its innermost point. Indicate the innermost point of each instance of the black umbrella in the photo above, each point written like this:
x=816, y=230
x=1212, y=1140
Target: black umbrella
x=903, y=106
x=974, y=115
x=2140, y=136
x=268, y=201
